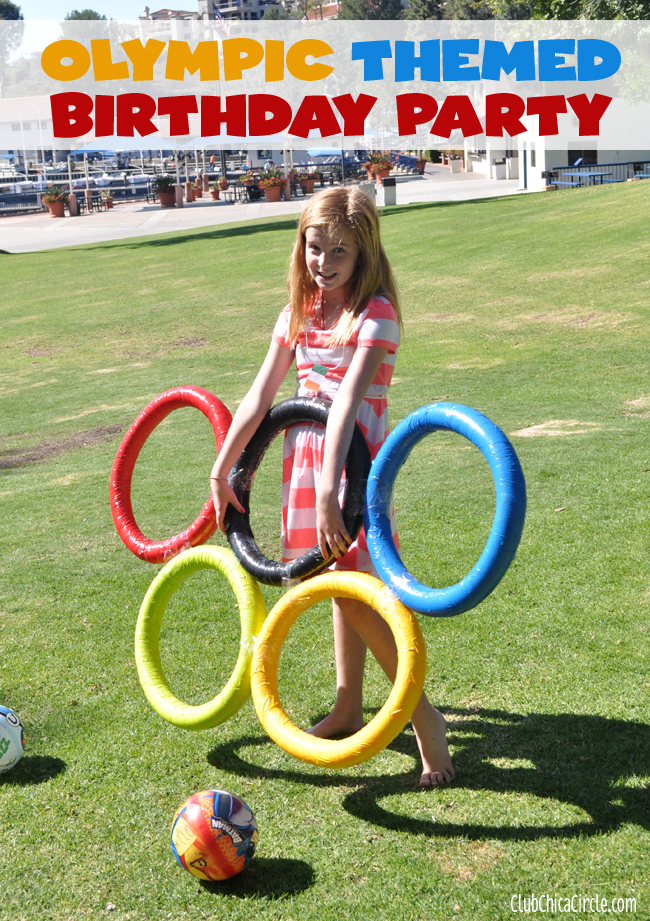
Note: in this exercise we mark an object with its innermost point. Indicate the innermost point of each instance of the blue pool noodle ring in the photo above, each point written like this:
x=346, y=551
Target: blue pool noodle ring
x=508, y=521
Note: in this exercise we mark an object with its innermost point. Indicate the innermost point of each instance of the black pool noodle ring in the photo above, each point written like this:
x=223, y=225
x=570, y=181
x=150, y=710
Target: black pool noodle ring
x=296, y=411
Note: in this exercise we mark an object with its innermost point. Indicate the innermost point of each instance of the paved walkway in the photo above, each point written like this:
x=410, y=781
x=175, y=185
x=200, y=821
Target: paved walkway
x=32, y=232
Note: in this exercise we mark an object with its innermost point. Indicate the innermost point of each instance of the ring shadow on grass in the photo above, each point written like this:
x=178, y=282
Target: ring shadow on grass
x=33, y=769
x=597, y=764
x=270, y=877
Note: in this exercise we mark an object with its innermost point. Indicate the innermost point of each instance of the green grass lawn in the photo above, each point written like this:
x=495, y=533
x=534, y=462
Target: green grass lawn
x=535, y=311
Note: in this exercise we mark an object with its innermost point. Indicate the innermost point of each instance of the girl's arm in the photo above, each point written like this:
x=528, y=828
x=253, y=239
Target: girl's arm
x=332, y=532
x=250, y=413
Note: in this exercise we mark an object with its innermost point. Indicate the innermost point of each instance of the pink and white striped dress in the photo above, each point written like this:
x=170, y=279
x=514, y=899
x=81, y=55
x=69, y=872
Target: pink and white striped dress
x=377, y=325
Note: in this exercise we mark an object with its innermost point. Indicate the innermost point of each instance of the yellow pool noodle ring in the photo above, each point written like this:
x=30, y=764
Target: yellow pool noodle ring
x=401, y=702
x=252, y=611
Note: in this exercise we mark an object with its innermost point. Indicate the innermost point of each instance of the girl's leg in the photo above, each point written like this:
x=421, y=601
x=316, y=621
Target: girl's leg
x=428, y=723
x=350, y=651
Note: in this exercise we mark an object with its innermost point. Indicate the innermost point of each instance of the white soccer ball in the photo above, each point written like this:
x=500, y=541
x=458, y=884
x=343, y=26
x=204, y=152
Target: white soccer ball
x=12, y=739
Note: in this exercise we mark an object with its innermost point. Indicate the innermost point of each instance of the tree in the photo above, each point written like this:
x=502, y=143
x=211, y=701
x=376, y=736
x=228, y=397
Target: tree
x=425, y=9
x=591, y=9
x=24, y=76
x=11, y=35
x=468, y=9
x=547, y=9
x=303, y=8
x=371, y=9
x=504, y=9
x=9, y=10
x=274, y=13
x=83, y=14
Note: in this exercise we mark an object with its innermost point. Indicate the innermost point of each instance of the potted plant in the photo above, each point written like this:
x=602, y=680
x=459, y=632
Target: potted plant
x=165, y=188
x=381, y=165
x=56, y=199
x=250, y=177
x=272, y=181
x=214, y=191
x=197, y=188
x=311, y=179
x=107, y=197
x=222, y=184
x=307, y=180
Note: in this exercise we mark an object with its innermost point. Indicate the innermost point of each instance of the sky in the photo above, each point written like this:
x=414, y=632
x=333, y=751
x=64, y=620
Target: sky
x=112, y=9
x=39, y=32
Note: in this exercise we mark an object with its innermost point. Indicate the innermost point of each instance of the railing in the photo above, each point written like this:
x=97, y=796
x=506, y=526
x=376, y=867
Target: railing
x=596, y=173
x=13, y=202
x=128, y=192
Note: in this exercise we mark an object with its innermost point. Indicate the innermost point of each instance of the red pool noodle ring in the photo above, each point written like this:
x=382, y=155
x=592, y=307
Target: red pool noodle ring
x=159, y=551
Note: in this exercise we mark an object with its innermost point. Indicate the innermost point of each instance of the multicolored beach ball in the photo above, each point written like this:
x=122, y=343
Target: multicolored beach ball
x=12, y=739
x=214, y=835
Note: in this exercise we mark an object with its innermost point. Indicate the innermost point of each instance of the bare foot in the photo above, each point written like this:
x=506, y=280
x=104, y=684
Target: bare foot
x=430, y=730
x=337, y=724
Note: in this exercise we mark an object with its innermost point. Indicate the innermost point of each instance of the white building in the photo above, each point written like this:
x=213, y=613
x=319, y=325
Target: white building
x=25, y=130
x=169, y=25
x=177, y=24
x=528, y=157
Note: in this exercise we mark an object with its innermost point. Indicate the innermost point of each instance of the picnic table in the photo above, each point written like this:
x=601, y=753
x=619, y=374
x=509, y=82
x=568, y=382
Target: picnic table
x=591, y=176
x=90, y=203
x=236, y=191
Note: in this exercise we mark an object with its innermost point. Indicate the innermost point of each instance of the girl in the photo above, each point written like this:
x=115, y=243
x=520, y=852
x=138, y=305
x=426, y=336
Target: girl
x=342, y=326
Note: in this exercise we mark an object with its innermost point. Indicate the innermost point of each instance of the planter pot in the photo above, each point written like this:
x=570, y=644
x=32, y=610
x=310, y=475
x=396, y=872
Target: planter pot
x=272, y=194
x=56, y=209
x=223, y=187
x=109, y=202
x=167, y=199
x=371, y=175
x=198, y=193
x=310, y=185
x=214, y=194
x=381, y=174
x=420, y=164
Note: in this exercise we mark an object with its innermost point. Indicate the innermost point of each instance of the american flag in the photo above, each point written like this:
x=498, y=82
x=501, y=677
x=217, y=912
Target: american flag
x=221, y=22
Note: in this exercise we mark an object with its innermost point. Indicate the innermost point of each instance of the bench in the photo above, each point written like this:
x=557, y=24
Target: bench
x=566, y=182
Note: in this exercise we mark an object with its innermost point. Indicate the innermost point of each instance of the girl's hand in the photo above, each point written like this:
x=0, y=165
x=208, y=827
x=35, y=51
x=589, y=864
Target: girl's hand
x=223, y=495
x=333, y=536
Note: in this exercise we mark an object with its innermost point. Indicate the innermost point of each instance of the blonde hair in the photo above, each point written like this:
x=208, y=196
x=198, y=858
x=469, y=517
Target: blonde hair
x=341, y=210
